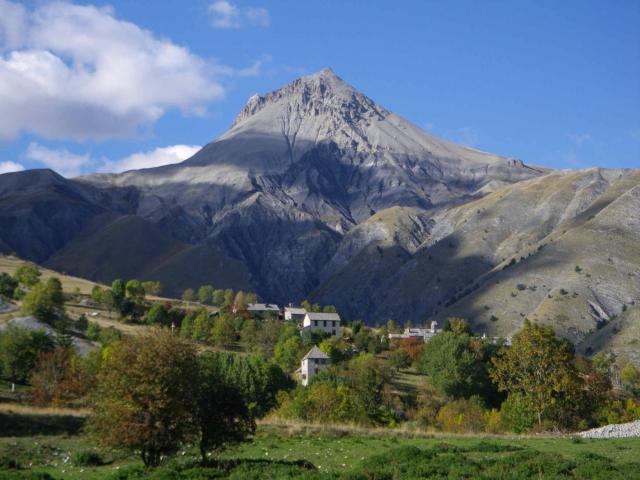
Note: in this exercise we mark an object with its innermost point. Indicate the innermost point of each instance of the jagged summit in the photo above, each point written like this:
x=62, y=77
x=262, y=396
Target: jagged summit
x=323, y=92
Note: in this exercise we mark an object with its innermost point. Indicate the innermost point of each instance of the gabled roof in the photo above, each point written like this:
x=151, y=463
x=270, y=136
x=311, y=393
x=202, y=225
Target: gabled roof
x=315, y=352
x=323, y=316
x=295, y=310
x=259, y=307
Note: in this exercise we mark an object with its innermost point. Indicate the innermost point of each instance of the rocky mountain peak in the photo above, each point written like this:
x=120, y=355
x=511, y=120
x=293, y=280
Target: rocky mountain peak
x=319, y=94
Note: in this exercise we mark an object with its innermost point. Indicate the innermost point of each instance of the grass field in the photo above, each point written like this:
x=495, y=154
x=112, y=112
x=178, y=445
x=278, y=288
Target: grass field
x=297, y=451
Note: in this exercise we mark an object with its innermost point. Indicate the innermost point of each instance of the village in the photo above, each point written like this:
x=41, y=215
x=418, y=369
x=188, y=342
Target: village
x=328, y=324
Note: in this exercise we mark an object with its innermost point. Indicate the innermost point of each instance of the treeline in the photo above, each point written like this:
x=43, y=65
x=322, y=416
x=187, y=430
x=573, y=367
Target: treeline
x=538, y=383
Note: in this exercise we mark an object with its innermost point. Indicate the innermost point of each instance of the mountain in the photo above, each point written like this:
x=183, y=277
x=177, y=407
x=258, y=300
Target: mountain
x=318, y=192
x=299, y=168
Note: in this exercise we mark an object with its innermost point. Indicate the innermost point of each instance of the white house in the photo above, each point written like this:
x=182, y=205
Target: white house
x=329, y=322
x=312, y=363
x=294, y=313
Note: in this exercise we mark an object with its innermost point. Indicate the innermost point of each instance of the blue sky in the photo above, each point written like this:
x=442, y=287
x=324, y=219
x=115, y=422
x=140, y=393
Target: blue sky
x=89, y=86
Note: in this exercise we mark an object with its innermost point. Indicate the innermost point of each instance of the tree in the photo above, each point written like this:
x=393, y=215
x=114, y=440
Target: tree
x=152, y=288
x=306, y=305
x=228, y=296
x=202, y=325
x=458, y=325
x=189, y=295
x=119, y=291
x=61, y=376
x=7, y=285
x=454, y=366
x=257, y=379
x=399, y=359
x=45, y=301
x=205, y=294
x=329, y=309
x=135, y=291
x=630, y=378
x=218, y=297
x=313, y=336
x=604, y=362
x=82, y=323
x=222, y=415
x=97, y=294
x=288, y=351
x=223, y=332
x=157, y=315
x=146, y=395
x=539, y=368
x=19, y=351
x=27, y=274
x=240, y=300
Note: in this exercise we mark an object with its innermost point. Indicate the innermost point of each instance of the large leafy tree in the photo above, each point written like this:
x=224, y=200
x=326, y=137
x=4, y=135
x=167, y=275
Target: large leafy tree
x=19, y=351
x=258, y=380
x=146, y=395
x=222, y=415
x=27, y=274
x=454, y=362
x=539, y=368
x=45, y=301
x=135, y=291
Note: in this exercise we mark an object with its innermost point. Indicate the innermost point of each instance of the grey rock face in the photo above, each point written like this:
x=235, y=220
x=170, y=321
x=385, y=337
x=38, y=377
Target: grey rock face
x=310, y=162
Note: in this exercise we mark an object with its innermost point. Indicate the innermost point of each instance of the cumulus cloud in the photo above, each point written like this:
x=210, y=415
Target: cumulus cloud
x=62, y=161
x=8, y=167
x=225, y=14
x=76, y=72
x=71, y=164
x=154, y=158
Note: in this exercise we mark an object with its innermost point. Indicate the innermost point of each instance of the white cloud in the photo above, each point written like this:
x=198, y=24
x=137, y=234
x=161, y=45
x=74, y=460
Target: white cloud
x=8, y=167
x=75, y=72
x=70, y=164
x=154, y=158
x=225, y=14
x=62, y=161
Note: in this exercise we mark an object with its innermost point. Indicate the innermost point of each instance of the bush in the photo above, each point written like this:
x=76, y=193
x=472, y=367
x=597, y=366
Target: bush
x=8, y=463
x=461, y=416
x=515, y=415
x=87, y=458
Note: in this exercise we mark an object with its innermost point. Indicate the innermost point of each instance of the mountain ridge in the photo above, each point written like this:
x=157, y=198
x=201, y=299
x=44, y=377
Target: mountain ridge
x=317, y=191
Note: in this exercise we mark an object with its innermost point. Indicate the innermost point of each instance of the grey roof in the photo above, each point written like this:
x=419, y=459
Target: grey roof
x=262, y=307
x=315, y=352
x=295, y=310
x=323, y=316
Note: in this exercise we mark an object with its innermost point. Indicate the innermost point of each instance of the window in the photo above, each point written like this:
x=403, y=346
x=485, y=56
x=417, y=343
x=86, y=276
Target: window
x=315, y=323
x=334, y=331
x=324, y=323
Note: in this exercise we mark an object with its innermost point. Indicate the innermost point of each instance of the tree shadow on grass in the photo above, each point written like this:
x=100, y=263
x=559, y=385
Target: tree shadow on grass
x=21, y=425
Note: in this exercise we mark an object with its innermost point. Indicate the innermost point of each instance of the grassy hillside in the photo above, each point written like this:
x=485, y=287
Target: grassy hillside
x=8, y=264
x=131, y=247
x=331, y=452
x=561, y=249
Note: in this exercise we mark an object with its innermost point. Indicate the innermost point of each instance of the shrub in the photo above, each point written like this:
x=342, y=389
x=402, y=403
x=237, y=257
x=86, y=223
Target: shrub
x=515, y=416
x=87, y=458
x=9, y=463
x=493, y=421
x=461, y=416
